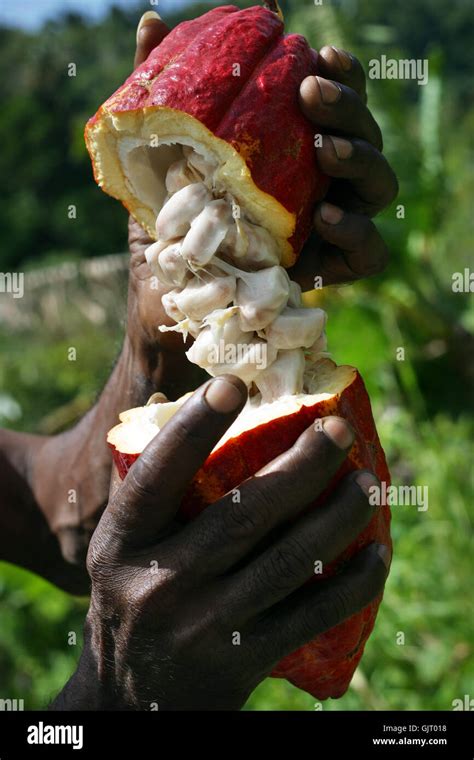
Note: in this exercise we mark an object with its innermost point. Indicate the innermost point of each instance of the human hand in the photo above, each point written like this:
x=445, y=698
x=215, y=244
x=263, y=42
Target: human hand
x=167, y=600
x=346, y=245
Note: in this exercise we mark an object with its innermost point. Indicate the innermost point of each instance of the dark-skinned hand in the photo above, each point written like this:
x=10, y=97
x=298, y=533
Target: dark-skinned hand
x=167, y=600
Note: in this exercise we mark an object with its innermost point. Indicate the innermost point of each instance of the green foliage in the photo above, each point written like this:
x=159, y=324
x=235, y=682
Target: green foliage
x=421, y=403
x=37, y=622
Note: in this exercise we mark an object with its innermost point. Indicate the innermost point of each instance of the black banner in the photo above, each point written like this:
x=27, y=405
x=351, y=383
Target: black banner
x=318, y=734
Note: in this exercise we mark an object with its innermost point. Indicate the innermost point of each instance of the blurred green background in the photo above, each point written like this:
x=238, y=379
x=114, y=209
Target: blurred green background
x=422, y=404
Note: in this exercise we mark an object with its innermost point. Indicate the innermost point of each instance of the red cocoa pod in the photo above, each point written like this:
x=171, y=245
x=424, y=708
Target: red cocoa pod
x=323, y=667
x=228, y=82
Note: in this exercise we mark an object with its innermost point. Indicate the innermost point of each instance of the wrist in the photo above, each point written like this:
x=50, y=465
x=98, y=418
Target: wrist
x=89, y=688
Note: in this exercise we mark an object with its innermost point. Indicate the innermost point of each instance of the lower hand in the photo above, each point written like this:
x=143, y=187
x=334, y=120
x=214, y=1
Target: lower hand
x=168, y=601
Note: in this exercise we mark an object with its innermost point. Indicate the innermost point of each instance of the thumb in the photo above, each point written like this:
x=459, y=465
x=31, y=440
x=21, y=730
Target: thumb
x=151, y=31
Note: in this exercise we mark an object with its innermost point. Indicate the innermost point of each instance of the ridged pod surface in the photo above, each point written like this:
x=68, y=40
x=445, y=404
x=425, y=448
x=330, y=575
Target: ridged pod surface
x=325, y=666
x=230, y=81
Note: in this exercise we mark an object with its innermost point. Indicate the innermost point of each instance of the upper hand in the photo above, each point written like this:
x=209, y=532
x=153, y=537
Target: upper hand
x=349, y=245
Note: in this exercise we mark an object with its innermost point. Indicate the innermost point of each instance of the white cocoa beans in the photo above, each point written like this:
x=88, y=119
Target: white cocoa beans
x=296, y=328
x=261, y=296
x=178, y=176
x=248, y=323
x=250, y=244
x=169, y=305
x=172, y=266
x=205, y=166
x=284, y=377
x=179, y=211
x=222, y=347
x=203, y=295
x=207, y=232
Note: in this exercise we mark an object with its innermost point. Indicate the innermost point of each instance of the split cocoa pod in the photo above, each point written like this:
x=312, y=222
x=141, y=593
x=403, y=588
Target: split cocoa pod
x=216, y=103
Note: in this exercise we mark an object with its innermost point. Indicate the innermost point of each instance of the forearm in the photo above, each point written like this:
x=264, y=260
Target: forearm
x=70, y=472
x=59, y=484
x=25, y=536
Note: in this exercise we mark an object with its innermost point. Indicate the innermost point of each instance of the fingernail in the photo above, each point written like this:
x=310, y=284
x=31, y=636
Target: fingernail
x=385, y=554
x=344, y=58
x=366, y=481
x=330, y=92
x=330, y=214
x=148, y=16
x=344, y=149
x=223, y=396
x=339, y=431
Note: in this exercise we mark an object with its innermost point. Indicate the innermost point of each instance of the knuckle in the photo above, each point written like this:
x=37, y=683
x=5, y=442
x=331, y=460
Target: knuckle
x=350, y=106
x=366, y=160
x=303, y=457
x=311, y=622
x=241, y=521
x=364, y=510
x=152, y=590
x=288, y=564
x=334, y=609
x=393, y=187
x=103, y=552
x=365, y=235
x=369, y=240
x=371, y=584
x=352, y=507
x=378, y=138
x=96, y=558
x=374, y=130
x=341, y=602
x=357, y=70
x=340, y=515
x=330, y=164
x=136, y=488
x=325, y=618
x=334, y=266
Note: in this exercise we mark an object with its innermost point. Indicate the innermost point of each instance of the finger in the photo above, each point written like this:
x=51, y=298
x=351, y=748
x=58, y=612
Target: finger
x=354, y=248
x=319, y=537
x=229, y=529
x=319, y=607
x=155, y=485
x=372, y=183
x=343, y=67
x=151, y=31
x=336, y=107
